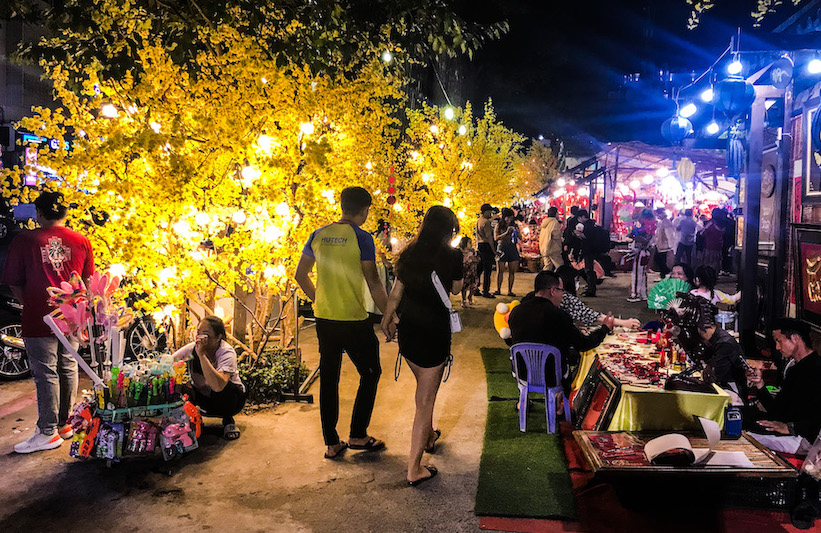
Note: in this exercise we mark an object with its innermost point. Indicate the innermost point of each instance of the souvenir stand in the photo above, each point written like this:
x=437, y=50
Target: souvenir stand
x=134, y=409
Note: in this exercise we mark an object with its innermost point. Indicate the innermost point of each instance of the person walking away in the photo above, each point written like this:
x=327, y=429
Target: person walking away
x=507, y=237
x=486, y=245
x=714, y=240
x=470, y=260
x=550, y=240
x=663, y=241
x=572, y=243
x=640, y=252
x=417, y=312
x=37, y=260
x=589, y=251
x=686, y=229
x=345, y=258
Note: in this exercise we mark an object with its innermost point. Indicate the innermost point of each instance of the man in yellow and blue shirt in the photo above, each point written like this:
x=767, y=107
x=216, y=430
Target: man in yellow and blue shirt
x=345, y=258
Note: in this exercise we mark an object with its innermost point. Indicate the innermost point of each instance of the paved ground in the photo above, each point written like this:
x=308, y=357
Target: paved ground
x=274, y=478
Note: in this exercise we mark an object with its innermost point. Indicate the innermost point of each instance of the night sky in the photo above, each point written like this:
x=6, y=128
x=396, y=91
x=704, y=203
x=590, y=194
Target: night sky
x=559, y=70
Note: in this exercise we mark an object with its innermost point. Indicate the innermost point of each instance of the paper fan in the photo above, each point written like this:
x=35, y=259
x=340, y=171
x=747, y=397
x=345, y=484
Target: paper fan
x=665, y=291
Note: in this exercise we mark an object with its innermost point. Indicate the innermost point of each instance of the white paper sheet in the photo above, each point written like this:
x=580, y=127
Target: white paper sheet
x=722, y=458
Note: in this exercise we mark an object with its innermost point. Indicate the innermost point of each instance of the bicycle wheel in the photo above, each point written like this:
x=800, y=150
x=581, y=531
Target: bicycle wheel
x=143, y=337
x=13, y=361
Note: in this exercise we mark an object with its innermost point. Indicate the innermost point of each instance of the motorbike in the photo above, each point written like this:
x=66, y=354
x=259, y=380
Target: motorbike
x=13, y=361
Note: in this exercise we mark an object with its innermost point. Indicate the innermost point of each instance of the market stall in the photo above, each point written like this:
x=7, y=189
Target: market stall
x=620, y=387
x=135, y=408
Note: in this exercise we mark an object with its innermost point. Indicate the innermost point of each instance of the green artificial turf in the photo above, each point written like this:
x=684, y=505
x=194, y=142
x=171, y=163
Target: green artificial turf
x=520, y=474
x=500, y=382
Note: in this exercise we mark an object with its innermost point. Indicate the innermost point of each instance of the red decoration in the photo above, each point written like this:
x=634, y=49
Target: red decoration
x=391, y=200
x=391, y=179
x=391, y=190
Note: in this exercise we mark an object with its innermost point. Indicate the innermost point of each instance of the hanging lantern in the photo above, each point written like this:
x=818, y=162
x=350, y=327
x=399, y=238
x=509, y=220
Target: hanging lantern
x=675, y=129
x=735, y=157
x=734, y=95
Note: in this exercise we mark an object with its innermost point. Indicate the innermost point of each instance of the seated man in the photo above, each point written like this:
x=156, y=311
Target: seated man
x=793, y=416
x=539, y=319
x=726, y=366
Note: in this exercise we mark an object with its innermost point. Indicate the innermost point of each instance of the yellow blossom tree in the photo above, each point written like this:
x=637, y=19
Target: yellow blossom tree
x=194, y=181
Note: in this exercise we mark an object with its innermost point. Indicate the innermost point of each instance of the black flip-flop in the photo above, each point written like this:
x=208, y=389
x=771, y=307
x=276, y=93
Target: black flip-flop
x=371, y=445
x=433, y=471
x=230, y=432
x=339, y=452
x=432, y=447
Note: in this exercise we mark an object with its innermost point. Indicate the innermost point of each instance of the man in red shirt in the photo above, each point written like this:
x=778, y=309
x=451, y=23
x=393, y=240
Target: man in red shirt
x=37, y=260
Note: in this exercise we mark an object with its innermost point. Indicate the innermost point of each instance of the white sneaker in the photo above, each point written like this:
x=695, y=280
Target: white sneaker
x=39, y=442
x=65, y=432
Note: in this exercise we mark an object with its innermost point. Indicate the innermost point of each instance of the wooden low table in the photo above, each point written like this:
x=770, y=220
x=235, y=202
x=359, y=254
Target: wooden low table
x=618, y=457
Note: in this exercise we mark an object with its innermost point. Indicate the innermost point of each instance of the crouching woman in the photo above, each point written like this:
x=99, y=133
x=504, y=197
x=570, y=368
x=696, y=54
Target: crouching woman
x=215, y=385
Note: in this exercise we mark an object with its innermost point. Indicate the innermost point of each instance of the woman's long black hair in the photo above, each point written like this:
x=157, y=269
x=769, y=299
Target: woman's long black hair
x=429, y=247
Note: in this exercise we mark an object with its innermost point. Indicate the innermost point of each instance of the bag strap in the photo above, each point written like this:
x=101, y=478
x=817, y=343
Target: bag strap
x=437, y=284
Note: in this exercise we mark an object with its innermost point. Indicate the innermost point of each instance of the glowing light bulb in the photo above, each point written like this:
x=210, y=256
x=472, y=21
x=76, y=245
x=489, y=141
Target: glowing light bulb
x=117, y=269
x=455, y=242
x=369, y=165
x=394, y=241
x=463, y=129
x=239, y=217
x=688, y=111
x=707, y=95
x=387, y=57
x=814, y=66
x=447, y=202
x=560, y=182
x=307, y=128
x=434, y=129
x=166, y=274
x=109, y=111
x=662, y=172
x=265, y=143
x=449, y=113
x=712, y=128
x=202, y=218
x=735, y=67
x=635, y=184
x=448, y=189
x=155, y=126
x=648, y=179
x=283, y=210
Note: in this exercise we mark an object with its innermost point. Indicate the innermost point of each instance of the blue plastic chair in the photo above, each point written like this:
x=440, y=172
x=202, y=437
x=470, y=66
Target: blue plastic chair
x=532, y=379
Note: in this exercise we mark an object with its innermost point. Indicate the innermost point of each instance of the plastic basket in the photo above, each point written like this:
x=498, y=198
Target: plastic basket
x=143, y=411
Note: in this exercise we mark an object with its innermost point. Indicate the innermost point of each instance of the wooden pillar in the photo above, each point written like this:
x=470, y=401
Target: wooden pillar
x=783, y=182
x=752, y=214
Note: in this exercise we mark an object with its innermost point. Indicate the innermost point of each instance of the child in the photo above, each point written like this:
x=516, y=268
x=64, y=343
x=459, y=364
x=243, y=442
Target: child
x=470, y=260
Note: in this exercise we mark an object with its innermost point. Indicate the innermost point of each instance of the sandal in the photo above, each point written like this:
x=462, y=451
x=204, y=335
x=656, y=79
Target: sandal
x=370, y=445
x=339, y=452
x=230, y=432
x=432, y=447
x=433, y=471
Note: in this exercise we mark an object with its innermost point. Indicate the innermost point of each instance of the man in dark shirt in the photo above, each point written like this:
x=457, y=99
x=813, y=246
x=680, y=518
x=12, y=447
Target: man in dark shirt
x=726, y=366
x=589, y=251
x=794, y=414
x=539, y=319
x=571, y=242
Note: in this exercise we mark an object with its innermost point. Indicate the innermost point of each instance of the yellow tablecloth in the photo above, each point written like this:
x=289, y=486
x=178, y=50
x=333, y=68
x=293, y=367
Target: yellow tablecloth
x=650, y=409
x=642, y=409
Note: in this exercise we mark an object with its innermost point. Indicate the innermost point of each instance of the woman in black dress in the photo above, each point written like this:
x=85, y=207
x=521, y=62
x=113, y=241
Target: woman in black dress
x=423, y=324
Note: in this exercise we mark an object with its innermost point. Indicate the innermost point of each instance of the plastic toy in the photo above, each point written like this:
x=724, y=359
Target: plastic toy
x=501, y=316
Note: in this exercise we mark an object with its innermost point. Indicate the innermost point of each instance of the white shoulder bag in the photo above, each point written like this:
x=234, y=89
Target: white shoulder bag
x=453, y=314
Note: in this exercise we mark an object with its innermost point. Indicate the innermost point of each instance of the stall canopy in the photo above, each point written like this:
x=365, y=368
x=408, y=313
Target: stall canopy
x=638, y=174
